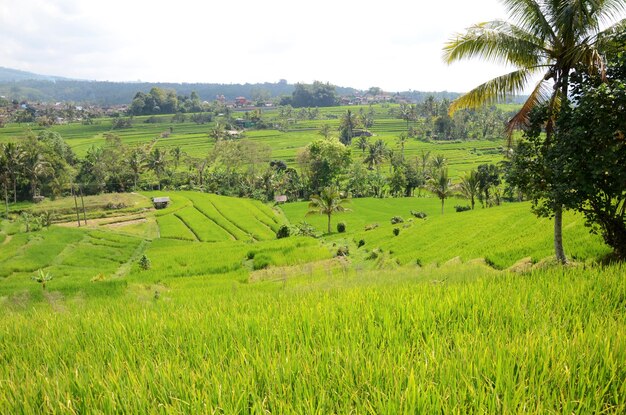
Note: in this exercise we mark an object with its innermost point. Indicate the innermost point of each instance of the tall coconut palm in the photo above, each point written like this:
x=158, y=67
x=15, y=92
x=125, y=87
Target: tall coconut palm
x=4, y=179
x=35, y=166
x=135, y=160
x=328, y=202
x=546, y=38
x=14, y=157
x=157, y=163
x=375, y=154
x=441, y=186
x=470, y=186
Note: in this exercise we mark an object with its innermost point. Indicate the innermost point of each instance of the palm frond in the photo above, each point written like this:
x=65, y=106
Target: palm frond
x=494, y=90
x=530, y=15
x=495, y=41
x=541, y=93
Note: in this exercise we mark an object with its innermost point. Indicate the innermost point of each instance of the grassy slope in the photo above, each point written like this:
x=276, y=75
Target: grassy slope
x=502, y=235
x=202, y=331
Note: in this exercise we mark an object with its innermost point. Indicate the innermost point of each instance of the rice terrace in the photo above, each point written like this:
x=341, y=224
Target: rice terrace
x=309, y=248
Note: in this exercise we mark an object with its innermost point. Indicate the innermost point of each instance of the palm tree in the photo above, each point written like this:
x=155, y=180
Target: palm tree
x=362, y=143
x=470, y=186
x=438, y=162
x=326, y=203
x=218, y=132
x=14, y=157
x=549, y=38
x=135, y=160
x=375, y=154
x=35, y=166
x=176, y=153
x=4, y=178
x=157, y=163
x=402, y=140
x=441, y=186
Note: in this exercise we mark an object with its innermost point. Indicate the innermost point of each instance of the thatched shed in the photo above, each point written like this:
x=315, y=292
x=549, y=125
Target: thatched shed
x=160, y=202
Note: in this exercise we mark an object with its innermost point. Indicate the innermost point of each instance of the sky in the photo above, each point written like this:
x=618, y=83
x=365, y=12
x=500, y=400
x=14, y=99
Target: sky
x=392, y=44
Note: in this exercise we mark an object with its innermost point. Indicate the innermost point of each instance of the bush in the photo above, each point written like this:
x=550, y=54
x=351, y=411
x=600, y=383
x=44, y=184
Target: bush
x=283, y=232
x=459, y=208
x=343, y=251
x=305, y=229
x=144, y=262
x=360, y=243
x=419, y=215
x=396, y=219
x=396, y=231
x=261, y=261
x=341, y=227
x=250, y=254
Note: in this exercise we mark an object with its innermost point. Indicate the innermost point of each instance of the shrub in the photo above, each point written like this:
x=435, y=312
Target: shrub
x=144, y=262
x=419, y=215
x=250, y=254
x=283, y=232
x=341, y=227
x=261, y=262
x=305, y=229
x=418, y=262
x=360, y=243
x=459, y=208
x=396, y=219
x=396, y=231
x=343, y=251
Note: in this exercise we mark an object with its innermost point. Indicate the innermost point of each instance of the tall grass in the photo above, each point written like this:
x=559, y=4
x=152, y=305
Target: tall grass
x=457, y=339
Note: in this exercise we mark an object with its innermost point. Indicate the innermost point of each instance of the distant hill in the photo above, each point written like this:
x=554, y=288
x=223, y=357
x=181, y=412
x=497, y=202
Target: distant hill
x=13, y=75
x=22, y=85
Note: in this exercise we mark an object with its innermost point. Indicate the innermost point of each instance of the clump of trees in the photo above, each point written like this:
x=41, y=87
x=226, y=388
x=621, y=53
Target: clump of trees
x=318, y=94
x=164, y=101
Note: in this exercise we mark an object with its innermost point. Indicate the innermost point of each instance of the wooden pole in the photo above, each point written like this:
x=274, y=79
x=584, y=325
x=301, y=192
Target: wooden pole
x=82, y=201
x=76, y=205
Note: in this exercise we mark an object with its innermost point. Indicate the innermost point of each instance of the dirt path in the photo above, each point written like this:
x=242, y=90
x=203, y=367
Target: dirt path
x=7, y=239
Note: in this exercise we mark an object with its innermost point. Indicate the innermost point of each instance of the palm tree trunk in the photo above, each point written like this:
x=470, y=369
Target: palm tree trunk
x=14, y=190
x=442, y=201
x=558, y=235
x=329, y=223
x=6, y=201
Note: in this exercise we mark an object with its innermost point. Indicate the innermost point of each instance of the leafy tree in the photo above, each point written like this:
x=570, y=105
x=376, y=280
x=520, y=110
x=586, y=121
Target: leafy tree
x=547, y=37
x=591, y=152
x=328, y=202
x=322, y=162
x=441, y=186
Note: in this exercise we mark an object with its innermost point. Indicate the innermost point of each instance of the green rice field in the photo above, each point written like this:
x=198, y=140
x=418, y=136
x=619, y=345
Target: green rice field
x=459, y=313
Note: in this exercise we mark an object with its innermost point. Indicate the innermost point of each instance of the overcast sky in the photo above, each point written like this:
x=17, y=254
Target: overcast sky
x=393, y=44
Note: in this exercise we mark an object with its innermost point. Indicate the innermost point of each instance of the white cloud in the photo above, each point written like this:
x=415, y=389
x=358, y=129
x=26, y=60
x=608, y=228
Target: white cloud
x=393, y=44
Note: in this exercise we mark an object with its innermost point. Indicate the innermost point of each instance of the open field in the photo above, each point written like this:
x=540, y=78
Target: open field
x=228, y=319
x=194, y=140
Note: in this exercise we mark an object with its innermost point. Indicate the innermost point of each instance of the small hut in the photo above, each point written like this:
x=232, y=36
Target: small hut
x=160, y=202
